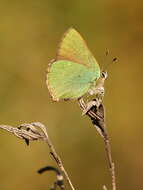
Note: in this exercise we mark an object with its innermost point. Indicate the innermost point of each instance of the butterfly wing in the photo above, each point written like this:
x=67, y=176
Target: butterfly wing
x=75, y=69
x=74, y=48
x=69, y=80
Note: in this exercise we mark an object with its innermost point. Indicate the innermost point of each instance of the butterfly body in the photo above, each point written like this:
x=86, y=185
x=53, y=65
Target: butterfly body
x=74, y=71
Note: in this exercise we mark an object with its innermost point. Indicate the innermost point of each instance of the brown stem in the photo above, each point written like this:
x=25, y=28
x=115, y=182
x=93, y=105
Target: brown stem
x=58, y=161
x=101, y=129
x=110, y=160
x=29, y=132
x=55, y=155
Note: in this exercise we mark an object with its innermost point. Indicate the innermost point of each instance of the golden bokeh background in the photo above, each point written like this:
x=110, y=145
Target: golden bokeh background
x=29, y=34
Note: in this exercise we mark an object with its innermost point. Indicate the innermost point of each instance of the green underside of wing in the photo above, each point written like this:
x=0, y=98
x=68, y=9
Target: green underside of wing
x=70, y=80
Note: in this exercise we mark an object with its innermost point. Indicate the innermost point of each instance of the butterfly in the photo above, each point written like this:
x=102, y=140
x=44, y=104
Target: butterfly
x=74, y=72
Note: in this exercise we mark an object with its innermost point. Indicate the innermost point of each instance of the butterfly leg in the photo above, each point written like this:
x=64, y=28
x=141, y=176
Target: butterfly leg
x=87, y=106
x=90, y=93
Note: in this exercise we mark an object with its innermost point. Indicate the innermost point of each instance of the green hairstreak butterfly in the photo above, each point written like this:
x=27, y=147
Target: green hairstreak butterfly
x=74, y=71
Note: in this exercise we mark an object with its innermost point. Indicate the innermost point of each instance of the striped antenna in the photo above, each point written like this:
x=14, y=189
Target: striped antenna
x=105, y=66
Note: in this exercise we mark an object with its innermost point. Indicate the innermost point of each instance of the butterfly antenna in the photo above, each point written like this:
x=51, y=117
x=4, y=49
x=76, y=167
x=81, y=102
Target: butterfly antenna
x=109, y=63
x=114, y=59
x=106, y=56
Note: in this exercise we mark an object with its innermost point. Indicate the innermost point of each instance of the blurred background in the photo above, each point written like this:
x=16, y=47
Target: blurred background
x=30, y=31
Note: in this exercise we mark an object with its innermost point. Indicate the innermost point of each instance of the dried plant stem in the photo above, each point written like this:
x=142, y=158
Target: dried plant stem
x=30, y=132
x=56, y=156
x=58, y=161
x=110, y=160
x=59, y=181
x=101, y=129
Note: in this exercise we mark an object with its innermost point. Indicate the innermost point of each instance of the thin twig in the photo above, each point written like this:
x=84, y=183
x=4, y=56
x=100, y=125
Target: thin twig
x=29, y=132
x=60, y=180
x=55, y=155
x=110, y=160
x=99, y=118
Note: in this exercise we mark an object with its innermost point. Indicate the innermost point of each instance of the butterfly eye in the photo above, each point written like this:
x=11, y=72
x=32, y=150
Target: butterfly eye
x=104, y=74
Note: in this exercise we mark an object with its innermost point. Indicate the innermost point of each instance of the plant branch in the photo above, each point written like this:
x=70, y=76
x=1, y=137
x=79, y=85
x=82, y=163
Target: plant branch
x=97, y=115
x=37, y=131
x=54, y=154
x=60, y=180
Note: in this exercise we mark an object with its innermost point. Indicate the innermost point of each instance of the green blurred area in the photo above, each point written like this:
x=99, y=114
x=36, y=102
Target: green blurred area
x=29, y=34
